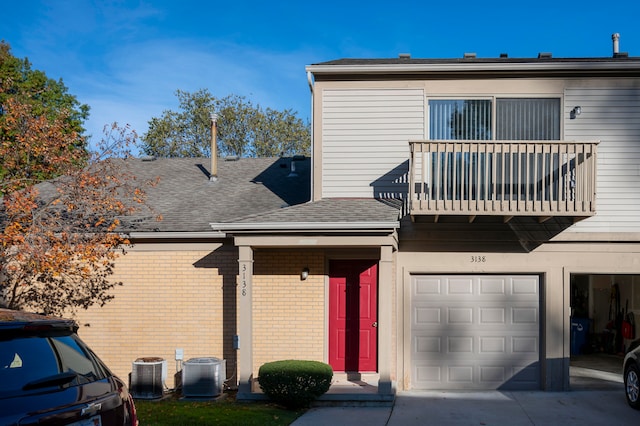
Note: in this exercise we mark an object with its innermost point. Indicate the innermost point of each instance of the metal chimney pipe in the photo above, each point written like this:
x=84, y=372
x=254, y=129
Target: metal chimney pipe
x=616, y=40
x=214, y=147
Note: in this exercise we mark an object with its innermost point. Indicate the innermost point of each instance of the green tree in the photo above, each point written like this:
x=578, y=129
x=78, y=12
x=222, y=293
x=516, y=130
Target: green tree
x=243, y=129
x=47, y=97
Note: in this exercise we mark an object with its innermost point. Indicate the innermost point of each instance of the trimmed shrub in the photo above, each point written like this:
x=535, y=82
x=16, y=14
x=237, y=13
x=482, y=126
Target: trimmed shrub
x=294, y=383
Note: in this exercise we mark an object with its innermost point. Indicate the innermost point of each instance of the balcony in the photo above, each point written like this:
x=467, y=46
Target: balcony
x=538, y=179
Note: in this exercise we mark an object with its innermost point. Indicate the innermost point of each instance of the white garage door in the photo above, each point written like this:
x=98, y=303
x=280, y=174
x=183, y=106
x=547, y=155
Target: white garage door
x=475, y=332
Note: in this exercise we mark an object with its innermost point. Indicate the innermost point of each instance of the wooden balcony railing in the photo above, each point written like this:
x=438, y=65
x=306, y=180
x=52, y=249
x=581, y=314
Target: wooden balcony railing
x=508, y=178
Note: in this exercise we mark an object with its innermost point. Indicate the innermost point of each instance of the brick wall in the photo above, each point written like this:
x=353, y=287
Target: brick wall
x=175, y=296
x=170, y=298
x=288, y=317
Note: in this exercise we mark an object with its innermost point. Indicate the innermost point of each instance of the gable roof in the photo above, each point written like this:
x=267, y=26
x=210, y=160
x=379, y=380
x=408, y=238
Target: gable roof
x=188, y=200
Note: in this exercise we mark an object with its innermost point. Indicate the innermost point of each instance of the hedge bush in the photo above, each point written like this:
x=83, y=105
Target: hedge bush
x=294, y=383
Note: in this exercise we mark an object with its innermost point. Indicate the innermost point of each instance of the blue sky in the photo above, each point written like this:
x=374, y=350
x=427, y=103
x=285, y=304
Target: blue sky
x=126, y=59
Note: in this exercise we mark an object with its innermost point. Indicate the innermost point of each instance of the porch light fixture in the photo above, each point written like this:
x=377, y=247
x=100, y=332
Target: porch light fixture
x=576, y=111
x=304, y=274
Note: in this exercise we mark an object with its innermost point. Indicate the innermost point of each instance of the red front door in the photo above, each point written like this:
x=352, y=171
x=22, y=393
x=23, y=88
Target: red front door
x=353, y=315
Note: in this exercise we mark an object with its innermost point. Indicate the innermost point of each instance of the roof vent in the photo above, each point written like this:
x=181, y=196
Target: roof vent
x=616, y=47
x=232, y=158
x=148, y=158
x=471, y=55
x=504, y=55
x=545, y=55
x=293, y=172
x=405, y=56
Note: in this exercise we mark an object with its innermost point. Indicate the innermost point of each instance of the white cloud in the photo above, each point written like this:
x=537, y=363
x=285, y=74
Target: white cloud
x=140, y=80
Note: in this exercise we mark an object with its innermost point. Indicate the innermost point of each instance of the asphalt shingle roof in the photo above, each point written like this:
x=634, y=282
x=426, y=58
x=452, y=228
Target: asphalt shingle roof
x=188, y=201
x=331, y=210
x=247, y=191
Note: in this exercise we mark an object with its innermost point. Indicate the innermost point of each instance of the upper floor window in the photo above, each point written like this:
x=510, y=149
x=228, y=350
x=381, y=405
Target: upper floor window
x=515, y=119
x=460, y=119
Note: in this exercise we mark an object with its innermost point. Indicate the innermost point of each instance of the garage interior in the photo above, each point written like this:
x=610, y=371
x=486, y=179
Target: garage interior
x=604, y=309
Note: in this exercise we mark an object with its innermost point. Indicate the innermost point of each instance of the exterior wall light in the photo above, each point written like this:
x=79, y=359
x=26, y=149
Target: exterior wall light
x=304, y=274
x=576, y=111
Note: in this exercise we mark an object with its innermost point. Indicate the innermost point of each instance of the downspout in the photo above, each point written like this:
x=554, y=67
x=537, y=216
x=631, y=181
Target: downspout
x=310, y=81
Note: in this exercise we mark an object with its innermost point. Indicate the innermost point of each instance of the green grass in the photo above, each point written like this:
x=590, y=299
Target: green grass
x=225, y=411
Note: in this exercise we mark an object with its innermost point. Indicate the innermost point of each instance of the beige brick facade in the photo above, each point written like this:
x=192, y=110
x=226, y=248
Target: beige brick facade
x=185, y=296
x=289, y=313
x=171, y=297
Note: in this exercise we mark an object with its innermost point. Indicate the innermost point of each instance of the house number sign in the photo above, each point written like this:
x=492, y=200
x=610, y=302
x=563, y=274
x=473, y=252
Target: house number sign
x=243, y=280
x=478, y=259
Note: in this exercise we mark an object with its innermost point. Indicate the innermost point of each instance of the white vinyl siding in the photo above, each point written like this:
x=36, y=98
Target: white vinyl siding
x=365, y=134
x=611, y=116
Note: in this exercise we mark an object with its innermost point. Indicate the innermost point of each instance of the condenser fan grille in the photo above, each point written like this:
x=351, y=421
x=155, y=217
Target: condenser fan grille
x=147, y=378
x=203, y=377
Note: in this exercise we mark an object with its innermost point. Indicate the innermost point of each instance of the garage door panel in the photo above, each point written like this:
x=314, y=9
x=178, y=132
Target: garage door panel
x=492, y=345
x=428, y=375
x=428, y=345
x=492, y=286
x=525, y=286
x=521, y=315
x=427, y=315
x=525, y=345
x=426, y=286
x=477, y=332
x=493, y=374
x=460, y=374
x=459, y=287
x=460, y=345
x=492, y=315
x=460, y=315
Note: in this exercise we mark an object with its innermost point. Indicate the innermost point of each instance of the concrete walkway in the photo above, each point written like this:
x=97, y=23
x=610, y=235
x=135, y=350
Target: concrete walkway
x=582, y=407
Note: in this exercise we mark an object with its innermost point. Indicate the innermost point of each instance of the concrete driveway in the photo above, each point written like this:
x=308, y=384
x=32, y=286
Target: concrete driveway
x=597, y=398
x=581, y=407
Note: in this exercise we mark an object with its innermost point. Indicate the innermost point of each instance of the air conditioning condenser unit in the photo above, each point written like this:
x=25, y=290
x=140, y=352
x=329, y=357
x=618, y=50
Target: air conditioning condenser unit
x=203, y=377
x=147, y=378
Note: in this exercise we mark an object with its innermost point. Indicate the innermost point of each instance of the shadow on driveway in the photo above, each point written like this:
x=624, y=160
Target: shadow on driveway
x=594, y=400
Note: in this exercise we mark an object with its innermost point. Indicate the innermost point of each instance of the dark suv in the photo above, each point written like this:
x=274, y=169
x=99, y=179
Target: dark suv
x=48, y=376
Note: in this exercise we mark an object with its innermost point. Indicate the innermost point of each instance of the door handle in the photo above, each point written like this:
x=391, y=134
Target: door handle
x=375, y=324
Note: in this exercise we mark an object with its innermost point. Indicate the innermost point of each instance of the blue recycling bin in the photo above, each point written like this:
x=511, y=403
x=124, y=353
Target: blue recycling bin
x=579, y=334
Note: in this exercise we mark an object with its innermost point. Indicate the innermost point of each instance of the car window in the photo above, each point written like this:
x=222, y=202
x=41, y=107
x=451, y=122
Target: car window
x=74, y=358
x=27, y=359
x=23, y=360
